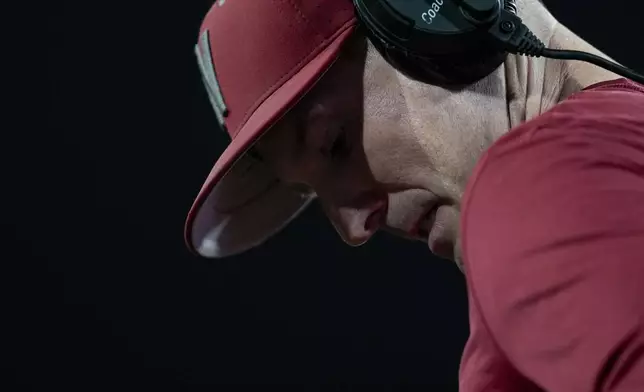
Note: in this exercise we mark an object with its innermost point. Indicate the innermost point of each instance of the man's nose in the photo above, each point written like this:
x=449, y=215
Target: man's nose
x=356, y=224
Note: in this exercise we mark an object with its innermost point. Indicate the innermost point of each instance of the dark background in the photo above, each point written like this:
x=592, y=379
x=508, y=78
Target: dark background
x=101, y=293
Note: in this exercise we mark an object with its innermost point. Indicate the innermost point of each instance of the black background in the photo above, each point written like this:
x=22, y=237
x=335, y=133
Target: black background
x=101, y=293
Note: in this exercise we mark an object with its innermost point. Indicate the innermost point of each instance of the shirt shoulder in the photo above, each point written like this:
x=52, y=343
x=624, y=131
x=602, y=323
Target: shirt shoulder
x=484, y=368
x=553, y=240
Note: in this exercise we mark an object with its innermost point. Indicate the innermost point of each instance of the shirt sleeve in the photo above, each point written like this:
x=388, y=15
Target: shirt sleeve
x=553, y=247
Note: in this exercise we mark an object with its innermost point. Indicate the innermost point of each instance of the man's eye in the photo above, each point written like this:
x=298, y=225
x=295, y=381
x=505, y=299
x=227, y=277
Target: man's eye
x=340, y=146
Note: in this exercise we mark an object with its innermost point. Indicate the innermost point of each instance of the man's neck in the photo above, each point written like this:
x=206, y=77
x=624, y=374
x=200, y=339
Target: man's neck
x=535, y=85
x=578, y=74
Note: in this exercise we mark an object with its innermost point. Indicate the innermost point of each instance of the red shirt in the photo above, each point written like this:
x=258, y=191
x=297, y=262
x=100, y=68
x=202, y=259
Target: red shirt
x=553, y=247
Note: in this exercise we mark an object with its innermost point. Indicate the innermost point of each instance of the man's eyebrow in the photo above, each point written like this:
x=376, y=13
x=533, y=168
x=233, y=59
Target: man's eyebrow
x=253, y=153
x=300, y=137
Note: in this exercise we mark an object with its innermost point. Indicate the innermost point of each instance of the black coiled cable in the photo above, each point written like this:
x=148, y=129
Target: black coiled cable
x=518, y=39
x=511, y=6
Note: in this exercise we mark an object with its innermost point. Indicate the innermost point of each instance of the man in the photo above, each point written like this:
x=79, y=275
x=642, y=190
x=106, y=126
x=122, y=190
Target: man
x=531, y=179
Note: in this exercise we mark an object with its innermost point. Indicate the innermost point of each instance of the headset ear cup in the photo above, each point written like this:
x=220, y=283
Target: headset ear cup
x=417, y=56
x=406, y=63
x=450, y=71
x=455, y=71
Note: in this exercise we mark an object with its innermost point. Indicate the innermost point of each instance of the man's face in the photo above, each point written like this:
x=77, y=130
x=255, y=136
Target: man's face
x=380, y=151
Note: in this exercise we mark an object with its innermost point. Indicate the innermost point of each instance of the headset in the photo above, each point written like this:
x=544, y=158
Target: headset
x=457, y=42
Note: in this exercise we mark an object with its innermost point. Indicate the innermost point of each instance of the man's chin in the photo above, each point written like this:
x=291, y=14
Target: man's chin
x=450, y=252
x=458, y=255
x=442, y=249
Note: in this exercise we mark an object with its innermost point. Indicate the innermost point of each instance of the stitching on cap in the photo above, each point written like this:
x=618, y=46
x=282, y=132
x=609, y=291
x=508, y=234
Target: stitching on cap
x=270, y=90
x=299, y=12
x=304, y=18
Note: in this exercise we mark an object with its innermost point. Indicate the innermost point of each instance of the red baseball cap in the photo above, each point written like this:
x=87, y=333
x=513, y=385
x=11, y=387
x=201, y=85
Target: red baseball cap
x=257, y=59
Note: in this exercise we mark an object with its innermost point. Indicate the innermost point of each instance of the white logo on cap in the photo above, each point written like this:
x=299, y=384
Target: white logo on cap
x=207, y=68
x=221, y=2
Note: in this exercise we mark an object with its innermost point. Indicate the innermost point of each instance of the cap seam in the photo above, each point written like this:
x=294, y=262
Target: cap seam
x=299, y=13
x=304, y=18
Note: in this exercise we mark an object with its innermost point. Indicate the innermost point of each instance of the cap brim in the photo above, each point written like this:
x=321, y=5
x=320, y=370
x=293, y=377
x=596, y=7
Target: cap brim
x=242, y=203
